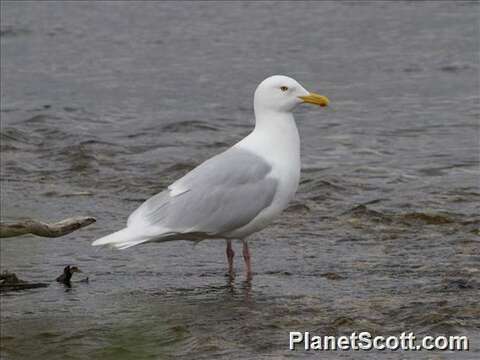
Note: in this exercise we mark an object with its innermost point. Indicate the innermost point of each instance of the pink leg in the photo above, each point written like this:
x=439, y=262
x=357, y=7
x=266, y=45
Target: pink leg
x=230, y=255
x=246, y=257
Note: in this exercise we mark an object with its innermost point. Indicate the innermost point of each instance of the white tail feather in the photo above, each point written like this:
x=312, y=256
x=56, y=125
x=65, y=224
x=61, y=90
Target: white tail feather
x=122, y=239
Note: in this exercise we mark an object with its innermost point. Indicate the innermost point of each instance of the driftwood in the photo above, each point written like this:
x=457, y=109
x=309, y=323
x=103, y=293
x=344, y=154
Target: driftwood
x=44, y=229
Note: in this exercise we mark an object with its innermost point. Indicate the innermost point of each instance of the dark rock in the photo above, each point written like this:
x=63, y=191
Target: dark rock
x=10, y=282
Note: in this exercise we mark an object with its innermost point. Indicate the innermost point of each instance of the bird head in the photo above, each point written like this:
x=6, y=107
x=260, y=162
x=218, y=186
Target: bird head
x=280, y=93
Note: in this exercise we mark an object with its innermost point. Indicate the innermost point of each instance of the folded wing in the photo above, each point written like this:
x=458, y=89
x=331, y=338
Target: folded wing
x=222, y=194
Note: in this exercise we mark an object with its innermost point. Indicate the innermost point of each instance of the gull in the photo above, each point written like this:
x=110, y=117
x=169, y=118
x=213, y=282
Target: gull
x=237, y=192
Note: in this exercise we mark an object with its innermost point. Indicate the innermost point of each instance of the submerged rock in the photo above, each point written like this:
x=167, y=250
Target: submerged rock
x=461, y=283
x=332, y=276
x=363, y=212
x=429, y=219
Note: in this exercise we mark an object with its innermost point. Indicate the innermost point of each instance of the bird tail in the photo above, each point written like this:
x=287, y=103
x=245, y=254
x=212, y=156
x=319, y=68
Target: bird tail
x=122, y=239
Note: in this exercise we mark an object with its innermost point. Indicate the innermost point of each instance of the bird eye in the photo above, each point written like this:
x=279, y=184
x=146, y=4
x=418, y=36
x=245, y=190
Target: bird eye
x=283, y=88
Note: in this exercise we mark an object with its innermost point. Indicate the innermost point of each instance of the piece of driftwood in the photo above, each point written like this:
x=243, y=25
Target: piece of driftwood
x=45, y=229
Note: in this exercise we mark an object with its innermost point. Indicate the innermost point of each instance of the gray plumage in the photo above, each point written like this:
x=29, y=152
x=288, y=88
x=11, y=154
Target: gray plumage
x=218, y=197
x=222, y=194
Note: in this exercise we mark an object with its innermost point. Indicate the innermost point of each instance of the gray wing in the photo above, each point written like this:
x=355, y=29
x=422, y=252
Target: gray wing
x=222, y=194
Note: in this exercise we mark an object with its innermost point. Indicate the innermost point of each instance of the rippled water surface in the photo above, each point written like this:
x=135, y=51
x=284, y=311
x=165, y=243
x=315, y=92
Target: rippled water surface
x=104, y=104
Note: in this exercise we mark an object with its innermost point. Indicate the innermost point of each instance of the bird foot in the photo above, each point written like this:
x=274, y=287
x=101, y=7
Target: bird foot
x=230, y=274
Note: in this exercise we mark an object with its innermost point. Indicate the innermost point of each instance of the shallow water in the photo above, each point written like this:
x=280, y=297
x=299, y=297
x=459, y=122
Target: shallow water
x=104, y=104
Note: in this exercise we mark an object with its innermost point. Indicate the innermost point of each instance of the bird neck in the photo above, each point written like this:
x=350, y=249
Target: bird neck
x=278, y=125
x=275, y=135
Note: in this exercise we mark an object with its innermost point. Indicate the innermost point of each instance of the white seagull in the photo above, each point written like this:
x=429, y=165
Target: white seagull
x=237, y=192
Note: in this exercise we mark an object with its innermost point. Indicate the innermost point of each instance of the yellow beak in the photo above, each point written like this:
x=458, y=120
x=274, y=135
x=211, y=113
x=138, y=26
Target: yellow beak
x=316, y=99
